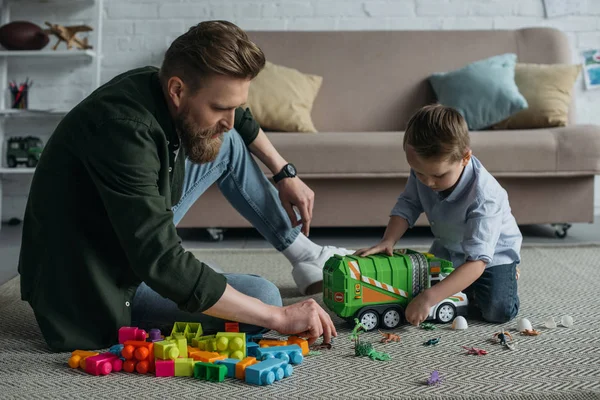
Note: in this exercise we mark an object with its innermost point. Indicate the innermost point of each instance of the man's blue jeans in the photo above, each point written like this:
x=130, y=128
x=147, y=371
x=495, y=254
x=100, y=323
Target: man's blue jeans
x=249, y=191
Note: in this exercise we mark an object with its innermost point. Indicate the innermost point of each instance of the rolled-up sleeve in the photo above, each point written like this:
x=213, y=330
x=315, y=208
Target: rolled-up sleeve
x=124, y=164
x=483, y=227
x=246, y=125
x=408, y=205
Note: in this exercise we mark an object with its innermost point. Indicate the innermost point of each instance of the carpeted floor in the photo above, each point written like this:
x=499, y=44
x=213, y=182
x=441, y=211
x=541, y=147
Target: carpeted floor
x=563, y=363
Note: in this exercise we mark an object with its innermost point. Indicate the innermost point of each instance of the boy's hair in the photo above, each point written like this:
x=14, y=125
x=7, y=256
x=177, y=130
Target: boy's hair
x=211, y=47
x=438, y=132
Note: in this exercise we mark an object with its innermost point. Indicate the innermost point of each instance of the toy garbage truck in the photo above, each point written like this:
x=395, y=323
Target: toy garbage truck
x=376, y=289
x=23, y=150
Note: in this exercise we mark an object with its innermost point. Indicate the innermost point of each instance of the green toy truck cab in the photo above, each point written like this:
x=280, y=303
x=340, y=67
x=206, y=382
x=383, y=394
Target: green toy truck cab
x=23, y=150
x=376, y=289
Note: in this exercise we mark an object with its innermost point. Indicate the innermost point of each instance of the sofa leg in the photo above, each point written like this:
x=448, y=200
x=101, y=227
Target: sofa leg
x=560, y=230
x=216, y=234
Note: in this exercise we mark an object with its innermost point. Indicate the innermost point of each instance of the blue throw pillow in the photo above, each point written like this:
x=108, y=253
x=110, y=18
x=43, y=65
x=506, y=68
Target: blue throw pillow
x=484, y=92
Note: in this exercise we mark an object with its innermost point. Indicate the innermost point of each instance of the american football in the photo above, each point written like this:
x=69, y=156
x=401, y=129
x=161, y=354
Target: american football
x=23, y=35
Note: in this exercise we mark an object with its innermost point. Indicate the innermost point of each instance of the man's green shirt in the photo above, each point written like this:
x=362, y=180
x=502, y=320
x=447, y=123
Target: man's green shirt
x=98, y=219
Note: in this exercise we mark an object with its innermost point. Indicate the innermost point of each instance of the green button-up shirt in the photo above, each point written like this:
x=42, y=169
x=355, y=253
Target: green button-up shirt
x=98, y=219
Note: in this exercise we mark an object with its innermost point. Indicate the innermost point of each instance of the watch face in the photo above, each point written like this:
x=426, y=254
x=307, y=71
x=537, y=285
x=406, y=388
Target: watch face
x=291, y=170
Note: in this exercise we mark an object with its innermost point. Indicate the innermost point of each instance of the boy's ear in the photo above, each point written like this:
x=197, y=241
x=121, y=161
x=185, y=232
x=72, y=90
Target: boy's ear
x=467, y=158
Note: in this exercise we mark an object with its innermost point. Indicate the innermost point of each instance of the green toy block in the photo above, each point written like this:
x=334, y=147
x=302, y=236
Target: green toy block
x=167, y=350
x=206, y=343
x=180, y=342
x=232, y=344
x=210, y=372
x=189, y=330
x=184, y=367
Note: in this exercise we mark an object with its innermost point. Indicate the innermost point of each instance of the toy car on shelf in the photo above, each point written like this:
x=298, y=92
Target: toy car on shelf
x=376, y=289
x=23, y=150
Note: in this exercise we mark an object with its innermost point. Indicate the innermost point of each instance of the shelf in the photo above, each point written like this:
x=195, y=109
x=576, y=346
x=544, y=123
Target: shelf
x=59, y=2
x=31, y=113
x=17, y=170
x=49, y=53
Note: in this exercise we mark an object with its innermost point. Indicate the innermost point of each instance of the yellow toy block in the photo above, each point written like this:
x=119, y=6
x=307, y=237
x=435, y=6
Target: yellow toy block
x=207, y=356
x=206, y=343
x=184, y=367
x=167, y=350
x=303, y=343
x=232, y=344
x=78, y=358
x=240, y=368
x=272, y=342
x=180, y=342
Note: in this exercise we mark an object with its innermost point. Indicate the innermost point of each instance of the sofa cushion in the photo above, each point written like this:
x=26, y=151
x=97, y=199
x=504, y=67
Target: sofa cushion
x=547, y=89
x=282, y=98
x=484, y=92
x=540, y=152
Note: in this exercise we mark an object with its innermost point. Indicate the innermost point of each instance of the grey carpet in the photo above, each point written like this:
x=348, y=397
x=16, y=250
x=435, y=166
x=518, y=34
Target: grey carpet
x=563, y=363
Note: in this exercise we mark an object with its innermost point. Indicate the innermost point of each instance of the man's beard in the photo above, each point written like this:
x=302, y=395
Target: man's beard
x=200, y=145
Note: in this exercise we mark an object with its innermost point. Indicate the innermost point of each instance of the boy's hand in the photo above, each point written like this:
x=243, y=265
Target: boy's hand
x=382, y=247
x=418, y=309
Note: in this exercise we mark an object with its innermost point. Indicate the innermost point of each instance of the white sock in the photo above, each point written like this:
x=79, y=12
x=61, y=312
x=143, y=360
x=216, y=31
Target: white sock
x=302, y=249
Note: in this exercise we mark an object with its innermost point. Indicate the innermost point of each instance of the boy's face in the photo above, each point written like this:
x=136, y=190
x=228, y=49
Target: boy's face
x=438, y=175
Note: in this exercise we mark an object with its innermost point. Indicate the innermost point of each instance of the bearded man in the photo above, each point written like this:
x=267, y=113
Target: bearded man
x=100, y=249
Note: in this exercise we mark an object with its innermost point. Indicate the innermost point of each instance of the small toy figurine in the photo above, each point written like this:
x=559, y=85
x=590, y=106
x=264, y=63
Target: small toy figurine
x=432, y=342
x=389, y=337
x=68, y=34
x=530, y=332
x=475, y=351
x=428, y=326
x=434, y=378
x=501, y=336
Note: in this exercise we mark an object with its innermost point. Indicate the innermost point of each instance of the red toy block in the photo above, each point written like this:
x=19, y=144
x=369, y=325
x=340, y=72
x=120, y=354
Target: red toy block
x=131, y=333
x=139, y=356
x=165, y=367
x=232, y=327
x=103, y=364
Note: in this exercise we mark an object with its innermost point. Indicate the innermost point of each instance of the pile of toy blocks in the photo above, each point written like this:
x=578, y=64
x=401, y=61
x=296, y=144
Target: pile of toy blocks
x=187, y=352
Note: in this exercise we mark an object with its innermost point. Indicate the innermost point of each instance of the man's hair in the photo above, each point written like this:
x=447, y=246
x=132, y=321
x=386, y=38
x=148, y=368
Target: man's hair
x=212, y=47
x=438, y=132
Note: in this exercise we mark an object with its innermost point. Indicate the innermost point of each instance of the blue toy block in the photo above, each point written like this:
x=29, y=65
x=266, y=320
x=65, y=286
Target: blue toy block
x=230, y=364
x=250, y=337
x=268, y=371
x=251, y=348
x=116, y=350
x=291, y=353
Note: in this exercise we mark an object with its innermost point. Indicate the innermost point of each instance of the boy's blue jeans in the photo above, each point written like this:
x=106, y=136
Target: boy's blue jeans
x=494, y=295
x=249, y=191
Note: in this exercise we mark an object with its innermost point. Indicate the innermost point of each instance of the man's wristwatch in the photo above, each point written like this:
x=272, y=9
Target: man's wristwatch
x=288, y=171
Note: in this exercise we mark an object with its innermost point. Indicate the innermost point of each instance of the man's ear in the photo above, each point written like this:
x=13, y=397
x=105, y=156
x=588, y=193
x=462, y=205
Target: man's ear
x=467, y=157
x=175, y=89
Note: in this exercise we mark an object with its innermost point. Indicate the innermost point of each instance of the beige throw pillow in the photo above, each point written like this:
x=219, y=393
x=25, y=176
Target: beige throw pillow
x=547, y=89
x=282, y=98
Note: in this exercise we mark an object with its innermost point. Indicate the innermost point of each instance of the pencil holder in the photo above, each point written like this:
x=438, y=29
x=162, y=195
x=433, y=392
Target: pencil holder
x=19, y=99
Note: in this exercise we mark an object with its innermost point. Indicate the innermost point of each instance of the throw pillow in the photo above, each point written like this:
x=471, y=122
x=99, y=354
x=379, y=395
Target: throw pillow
x=281, y=98
x=484, y=92
x=547, y=89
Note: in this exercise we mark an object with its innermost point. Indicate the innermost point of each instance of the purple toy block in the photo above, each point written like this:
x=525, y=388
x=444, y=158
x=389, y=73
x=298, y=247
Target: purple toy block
x=165, y=367
x=155, y=336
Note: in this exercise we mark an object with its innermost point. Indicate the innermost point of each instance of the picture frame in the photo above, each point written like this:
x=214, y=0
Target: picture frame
x=591, y=68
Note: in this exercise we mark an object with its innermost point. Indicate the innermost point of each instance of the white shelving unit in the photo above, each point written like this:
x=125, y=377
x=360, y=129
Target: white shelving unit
x=93, y=56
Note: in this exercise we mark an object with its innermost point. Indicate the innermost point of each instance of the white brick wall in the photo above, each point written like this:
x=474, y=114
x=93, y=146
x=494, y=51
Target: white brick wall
x=137, y=32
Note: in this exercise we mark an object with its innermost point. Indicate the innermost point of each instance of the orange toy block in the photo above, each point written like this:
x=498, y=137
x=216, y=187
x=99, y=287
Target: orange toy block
x=78, y=358
x=207, y=356
x=272, y=342
x=303, y=343
x=139, y=356
x=240, y=368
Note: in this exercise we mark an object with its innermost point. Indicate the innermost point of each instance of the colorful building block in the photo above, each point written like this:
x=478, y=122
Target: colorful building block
x=167, y=350
x=207, y=356
x=240, y=367
x=251, y=348
x=303, y=343
x=180, y=341
x=253, y=337
x=78, y=358
x=164, y=367
x=231, y=344
x=291, y=353
x=139, y=356
x=184, y=367
x=230, y=364
x=103, y=364
x=131, y=333
x=210, y=372
x=232, y=327
x=116, y=350
x=155, y=336
x=206, y=343
x=272, y=343
x=268, y=371
x=190, y=330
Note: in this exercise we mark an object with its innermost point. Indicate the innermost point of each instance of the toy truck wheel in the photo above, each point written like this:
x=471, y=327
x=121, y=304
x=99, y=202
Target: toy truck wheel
x=391, y=318
x=445, y=313
x=11, y=161
x=31, y=162
x=369, y=318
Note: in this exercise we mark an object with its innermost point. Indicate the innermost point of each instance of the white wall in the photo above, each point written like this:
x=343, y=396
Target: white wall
x=137, y=32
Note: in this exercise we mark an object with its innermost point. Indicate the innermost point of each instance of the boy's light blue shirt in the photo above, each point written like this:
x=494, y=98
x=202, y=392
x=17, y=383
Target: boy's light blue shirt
x=473, y=223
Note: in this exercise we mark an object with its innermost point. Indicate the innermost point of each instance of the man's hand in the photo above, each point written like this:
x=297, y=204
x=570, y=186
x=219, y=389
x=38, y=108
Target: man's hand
x=418, y=309
x=384, y=247
x=306, y=319
x=294, y=193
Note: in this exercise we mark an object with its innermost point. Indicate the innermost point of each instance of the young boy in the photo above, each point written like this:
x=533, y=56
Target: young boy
x=469, y=215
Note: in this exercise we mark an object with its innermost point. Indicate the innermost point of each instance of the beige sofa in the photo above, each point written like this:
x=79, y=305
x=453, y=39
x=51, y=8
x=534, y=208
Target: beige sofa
x=372, y=83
